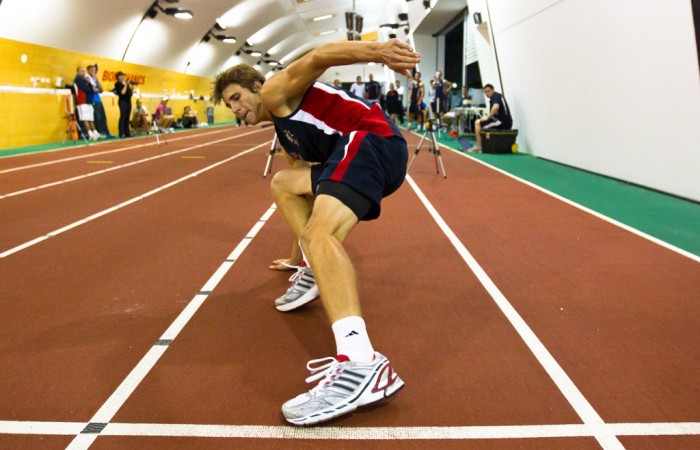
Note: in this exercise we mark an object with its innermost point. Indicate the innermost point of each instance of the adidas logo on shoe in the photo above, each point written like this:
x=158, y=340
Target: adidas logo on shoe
x=352, y=333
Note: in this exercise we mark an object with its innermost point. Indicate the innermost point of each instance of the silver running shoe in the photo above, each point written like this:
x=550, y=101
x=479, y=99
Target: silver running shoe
x=344, y=387
x=302, y=291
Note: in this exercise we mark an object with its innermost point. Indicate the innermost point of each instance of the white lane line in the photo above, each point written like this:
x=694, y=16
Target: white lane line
x=108, y=410
x=117, y=150
x=133, y=163
x=353, y=433
x=582, y=407
x=46, y=428
x=610, y=220
x=39, y=239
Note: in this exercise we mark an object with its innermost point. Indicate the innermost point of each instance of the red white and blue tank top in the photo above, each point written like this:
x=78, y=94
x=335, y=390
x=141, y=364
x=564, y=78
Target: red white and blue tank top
x=325, y=115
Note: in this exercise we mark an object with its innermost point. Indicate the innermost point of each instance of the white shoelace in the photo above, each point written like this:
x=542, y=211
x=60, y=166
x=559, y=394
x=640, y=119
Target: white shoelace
x=300, y=271
x=328, y=370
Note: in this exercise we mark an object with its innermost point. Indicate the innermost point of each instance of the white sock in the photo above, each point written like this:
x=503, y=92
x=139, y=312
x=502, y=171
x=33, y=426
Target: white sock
x=352, y=340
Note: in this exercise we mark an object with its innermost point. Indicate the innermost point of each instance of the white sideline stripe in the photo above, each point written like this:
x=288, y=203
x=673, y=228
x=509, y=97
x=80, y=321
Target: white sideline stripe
x=133, y=163
x=90, y=155
x=47, y=428
x=359, y=433
x=582, y=407
x=126, y=203
x=633, y=230
x=108, y=410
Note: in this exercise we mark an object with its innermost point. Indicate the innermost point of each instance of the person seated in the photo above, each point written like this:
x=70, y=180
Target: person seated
x=461, y=100
x=163, y=120
x=141, y=119
x=189, y=117
x=498, y=118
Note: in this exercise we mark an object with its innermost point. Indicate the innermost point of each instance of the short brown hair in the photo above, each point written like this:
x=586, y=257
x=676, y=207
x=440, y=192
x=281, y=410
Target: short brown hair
x=242, y=74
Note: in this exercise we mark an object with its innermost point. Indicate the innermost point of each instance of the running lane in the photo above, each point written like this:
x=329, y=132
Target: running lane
x=618, y=312
x=81, y=309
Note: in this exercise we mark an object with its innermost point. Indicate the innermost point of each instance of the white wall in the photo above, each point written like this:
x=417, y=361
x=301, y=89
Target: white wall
x=607, y=86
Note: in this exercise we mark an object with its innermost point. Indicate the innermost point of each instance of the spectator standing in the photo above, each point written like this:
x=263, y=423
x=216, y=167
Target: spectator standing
x=415, y=107
x=400, y=90
x=100, y=116
x=440, y=89
x=393, y=104
x=358, y=88
x=83, y=98
x=122, y=89
x=373, y=90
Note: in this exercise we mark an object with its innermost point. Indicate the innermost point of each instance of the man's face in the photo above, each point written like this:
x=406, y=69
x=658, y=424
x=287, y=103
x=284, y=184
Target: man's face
x=246, y=105
x=371, y=77
x=139, y=103
x=417, y=76
x=91, y=70
x=438, y=75
x=358, y=79
x=81, y=72
x=398, y=84
x=465, y=91
x=488, y=92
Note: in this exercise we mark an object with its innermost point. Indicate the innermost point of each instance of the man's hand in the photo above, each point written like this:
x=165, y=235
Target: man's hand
x=283, y=264
x=399, y=56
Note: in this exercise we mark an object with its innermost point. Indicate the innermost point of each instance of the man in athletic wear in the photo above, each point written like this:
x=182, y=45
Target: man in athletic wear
x=83, y=98
x=373, y=90
x=498, y=118
x=415, y=105
x=362, y=157
x=442, y=88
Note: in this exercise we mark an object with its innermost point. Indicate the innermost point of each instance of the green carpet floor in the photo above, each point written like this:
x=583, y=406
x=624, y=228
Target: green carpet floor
x=671, y=219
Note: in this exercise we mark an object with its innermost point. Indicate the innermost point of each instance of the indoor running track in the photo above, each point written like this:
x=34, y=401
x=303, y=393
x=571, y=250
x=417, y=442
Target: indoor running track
x=137, y=309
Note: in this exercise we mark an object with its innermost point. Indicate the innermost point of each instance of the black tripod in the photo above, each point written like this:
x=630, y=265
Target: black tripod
x=433, y=146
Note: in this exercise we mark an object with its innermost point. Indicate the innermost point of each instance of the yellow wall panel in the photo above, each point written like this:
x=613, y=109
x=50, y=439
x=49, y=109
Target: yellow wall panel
x=39, y=118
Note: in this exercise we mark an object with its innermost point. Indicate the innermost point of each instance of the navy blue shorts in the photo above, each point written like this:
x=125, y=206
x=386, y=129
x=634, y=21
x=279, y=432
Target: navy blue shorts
x=370, y=165
x=495, y=124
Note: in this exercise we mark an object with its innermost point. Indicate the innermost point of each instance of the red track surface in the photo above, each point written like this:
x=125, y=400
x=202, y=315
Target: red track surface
x=618, y=313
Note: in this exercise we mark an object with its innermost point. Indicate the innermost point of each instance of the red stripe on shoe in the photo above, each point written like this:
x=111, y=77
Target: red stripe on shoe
x=356, y=138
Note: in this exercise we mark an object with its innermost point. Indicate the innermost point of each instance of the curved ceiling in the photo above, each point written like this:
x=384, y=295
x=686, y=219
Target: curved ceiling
x=114, y=29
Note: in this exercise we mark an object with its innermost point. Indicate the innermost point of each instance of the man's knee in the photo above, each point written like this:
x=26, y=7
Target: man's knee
x=278, y=183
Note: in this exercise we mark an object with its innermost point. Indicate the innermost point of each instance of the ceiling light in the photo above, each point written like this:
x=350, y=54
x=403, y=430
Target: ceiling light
x=273, y=63
x=255, y=53
x=320, y=18
x=324, y=33
x=179, y=13
x=370, y=63
x=226, y=38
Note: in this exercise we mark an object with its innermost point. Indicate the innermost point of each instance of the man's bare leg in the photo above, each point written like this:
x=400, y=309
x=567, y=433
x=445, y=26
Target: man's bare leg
x=291, y=189
x=322, y=241
x=477, y=130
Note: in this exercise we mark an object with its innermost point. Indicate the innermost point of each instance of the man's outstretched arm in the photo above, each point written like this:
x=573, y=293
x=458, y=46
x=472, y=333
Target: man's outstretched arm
x=282, y=93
